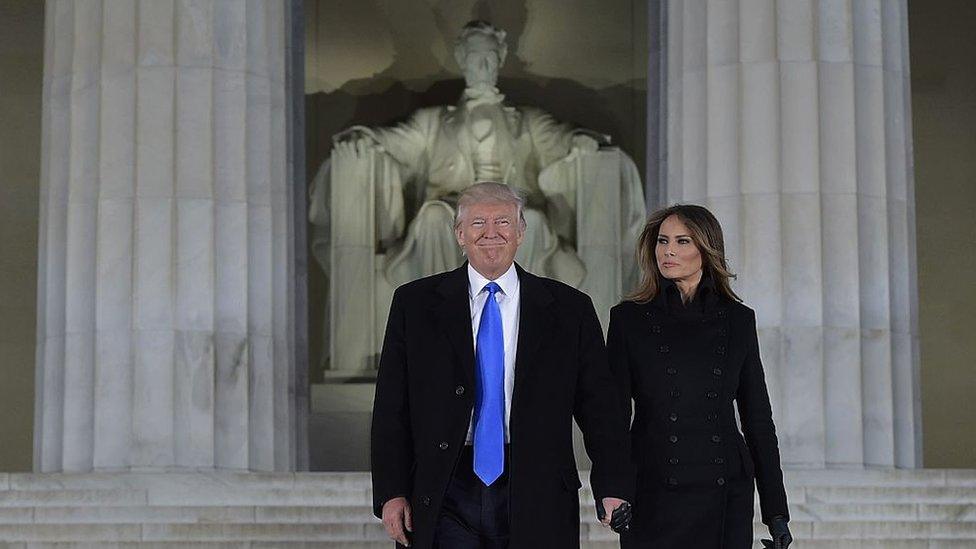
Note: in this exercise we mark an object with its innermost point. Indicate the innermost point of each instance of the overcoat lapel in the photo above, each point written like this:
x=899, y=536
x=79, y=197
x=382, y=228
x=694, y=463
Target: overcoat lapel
x=453, y=314
x=536, y=324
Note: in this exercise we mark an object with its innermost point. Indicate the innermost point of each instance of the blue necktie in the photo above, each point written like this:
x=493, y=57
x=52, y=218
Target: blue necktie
x=489, y=402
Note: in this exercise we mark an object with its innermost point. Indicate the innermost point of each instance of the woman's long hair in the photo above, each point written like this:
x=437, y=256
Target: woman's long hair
x=706, y=233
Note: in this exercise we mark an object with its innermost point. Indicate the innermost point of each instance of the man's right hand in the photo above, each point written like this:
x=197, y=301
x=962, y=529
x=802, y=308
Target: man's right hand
x=397, y=520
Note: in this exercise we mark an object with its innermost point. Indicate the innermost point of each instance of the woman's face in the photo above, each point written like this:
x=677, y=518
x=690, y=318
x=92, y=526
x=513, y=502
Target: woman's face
x=677, y=255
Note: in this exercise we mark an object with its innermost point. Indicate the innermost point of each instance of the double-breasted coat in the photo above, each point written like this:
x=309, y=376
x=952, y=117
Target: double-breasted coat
x=686, y=367
x=425, y=394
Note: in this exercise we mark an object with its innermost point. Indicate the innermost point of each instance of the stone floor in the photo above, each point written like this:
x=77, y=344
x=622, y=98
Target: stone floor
x=891, y=509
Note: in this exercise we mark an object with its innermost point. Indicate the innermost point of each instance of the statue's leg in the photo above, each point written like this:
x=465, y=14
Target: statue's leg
x=429, y=247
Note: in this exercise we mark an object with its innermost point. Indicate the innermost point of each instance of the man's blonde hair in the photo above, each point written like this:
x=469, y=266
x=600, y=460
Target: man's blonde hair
x=490, y=192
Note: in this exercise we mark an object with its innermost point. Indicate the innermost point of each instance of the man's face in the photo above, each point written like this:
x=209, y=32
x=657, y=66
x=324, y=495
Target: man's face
x=481, y=61
x=490, y=234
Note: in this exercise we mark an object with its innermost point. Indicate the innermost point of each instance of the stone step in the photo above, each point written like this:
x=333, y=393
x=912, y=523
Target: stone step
x=857, y=509
x=795, y=478
x=352, y=532
x=301, y=495
x=344, y=514
x=61, y=498
x=799, y=544
x=883, y=494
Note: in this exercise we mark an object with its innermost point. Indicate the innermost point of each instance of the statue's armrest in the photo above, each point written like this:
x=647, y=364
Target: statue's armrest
x=595, y=198
x=353, y=133
x=602, y=139
x=357, y=197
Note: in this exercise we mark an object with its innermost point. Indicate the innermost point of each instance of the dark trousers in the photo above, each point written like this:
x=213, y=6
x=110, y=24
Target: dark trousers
x=473, y=516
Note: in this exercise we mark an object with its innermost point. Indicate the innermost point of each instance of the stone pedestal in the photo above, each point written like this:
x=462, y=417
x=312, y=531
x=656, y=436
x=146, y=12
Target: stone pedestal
x=166, y=270
x=791, y=121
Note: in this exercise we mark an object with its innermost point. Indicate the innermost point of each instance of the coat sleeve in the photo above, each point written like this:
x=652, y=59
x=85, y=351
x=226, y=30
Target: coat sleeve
x=619, y=363
x=391, y=440
x=601, y=418
x=760, y=433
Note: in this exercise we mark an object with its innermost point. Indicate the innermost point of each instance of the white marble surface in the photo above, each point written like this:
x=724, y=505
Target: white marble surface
x=164, y=304
x=791, y=121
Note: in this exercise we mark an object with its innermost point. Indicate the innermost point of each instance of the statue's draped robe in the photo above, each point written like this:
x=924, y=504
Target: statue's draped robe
x=439, y=154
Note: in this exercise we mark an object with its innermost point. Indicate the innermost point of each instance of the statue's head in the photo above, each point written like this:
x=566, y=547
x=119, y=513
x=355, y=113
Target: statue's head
x=480, y=51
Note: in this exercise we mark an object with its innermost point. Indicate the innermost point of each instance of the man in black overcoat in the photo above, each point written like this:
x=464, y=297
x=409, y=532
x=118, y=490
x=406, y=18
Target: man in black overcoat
x=432, y=419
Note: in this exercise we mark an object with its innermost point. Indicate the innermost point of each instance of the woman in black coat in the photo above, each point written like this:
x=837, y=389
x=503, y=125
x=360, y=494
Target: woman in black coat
x=684, y=349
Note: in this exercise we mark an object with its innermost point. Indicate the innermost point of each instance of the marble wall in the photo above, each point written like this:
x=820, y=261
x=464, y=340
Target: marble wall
x=791, y=121
x=167, y=250
x=943, y=53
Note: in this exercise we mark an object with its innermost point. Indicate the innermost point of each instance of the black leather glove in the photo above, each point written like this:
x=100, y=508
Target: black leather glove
x=619, y=519
x=780, y=532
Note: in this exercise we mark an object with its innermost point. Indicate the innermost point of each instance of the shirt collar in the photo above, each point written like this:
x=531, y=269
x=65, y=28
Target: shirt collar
x=508, y=282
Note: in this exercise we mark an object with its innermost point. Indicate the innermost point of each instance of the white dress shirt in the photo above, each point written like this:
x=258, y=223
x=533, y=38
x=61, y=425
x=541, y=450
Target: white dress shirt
x=508, y=303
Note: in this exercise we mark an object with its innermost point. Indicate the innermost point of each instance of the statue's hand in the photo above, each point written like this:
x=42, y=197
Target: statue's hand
x=585, y=143
x=354, y=142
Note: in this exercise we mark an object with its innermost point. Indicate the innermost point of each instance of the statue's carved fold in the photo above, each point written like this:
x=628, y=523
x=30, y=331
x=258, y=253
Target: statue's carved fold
x=383, y=204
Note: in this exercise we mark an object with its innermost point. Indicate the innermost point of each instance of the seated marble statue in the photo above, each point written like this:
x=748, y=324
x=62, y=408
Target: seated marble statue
x=439, y=151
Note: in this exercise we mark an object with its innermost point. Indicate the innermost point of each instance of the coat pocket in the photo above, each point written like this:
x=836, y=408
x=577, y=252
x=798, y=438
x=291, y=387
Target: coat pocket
x=571, y=480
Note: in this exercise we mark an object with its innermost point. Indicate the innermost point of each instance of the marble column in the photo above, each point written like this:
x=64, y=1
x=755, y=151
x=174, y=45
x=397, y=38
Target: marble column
x=166, y=267
x=790, y=119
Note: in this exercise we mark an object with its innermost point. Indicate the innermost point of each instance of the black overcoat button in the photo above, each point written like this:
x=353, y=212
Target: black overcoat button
x=719, y=461
x=672, y=481
x=720, y=481
x=675, y=393
x=663, y=349
x=711, y=394
x=711, y=417
x=716, y=439
x=673, y=439
x=673, y=461
x=720, y=350
x=717, y=371
x=671, y=370
x=656, y=329
x=425, y=500
x=459, y=390
x=673, y=416
x=443, y=446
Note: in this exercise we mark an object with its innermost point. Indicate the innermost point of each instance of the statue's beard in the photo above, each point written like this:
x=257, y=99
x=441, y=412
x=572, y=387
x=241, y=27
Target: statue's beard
x=481, y=81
